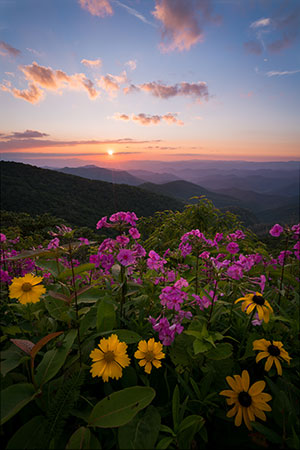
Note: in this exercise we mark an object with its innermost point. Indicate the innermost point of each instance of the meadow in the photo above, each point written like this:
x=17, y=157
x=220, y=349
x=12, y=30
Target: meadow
x=175, y=331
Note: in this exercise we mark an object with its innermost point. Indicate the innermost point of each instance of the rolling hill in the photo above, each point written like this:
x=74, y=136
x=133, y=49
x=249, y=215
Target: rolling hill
x=82, y=202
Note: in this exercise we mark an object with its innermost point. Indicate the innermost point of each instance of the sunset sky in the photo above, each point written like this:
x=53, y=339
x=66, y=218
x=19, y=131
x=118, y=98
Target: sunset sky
x=107, y=81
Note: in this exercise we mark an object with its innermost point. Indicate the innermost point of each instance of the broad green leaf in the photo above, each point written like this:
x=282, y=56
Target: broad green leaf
x=106, y=316
x=31, y=435
x=11, y=358
x=37, y=347
x=90, y=295
x=222, y=351
x=120, y=407
x=200, y=346
x=50, y=265
x=54, y=359
x=57, y=309
x=141, y=432
x=77, y=270
x=14, y=398
x=164, y=443
x=130, y=337
x=80, y=439
x=190, y=421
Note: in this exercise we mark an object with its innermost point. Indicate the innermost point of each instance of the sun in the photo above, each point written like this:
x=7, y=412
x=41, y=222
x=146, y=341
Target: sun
x=110, y=152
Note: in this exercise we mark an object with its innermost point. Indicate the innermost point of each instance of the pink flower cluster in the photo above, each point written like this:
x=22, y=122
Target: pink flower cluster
x=120, y=217
x=172, y=296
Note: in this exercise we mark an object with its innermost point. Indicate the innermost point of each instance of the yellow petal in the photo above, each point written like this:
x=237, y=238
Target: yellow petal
x=143, y=347
x=257, y=388
x=269, y=363
x=122, y=360
x=115, y=370
x=245, y=380
x=148, y=367
x=156, y=363
x=260, y=312
x=261, y=344
x=96, y=355
x=261, y=355
x=251, y=308
x=139, y=355
x=142, y=362
x=232, y=411
x=278, y=366
x=246, y=418
x=228, y=393
x=266, y=314
x=151, y=344
x=238, y=417
x=232, y=383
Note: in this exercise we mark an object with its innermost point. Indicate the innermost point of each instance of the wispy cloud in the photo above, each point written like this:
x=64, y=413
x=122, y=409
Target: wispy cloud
x=148, y=119
x=50, y=79
x=100, y=8
x=8, y=50
x=93, y=63
x=197, y=90
x=261, y=23
x=182, y=22
x=112, y=83
x=134, y=12
x=131, y=64
x=276, y=73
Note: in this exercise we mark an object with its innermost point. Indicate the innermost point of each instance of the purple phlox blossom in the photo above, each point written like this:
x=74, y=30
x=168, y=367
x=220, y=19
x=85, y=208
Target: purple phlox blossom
x=186, y=249
x=296, y=230
x=65, y=262
x=238, y=234
x=4, y=276
x=61, y=230
x=155, y=261
x=181, y=283
x=137, y=280
x=172, y=297
x=15, y=241
x=204, y=255
x=134, y=233
x=218, y=237
x=84, y=241
x=122, y=239
x=126, y=257
x=187, y=235
x=232, y=248
x=54, y=243
x=206, y=300
x=107, y=245
x=162, y=326
x=171, y=276
x=2, y=237
x=158, y=280
x=166, y=253
x=218, y=263
x=102, y=223
x=276, y=230
x=246, y=262
x=235, y=272
x=282, y=257
x=297, y=250
x=138, y=250
x=256, y=321
x=261, y=281
x=127, y=217
x=104, y=260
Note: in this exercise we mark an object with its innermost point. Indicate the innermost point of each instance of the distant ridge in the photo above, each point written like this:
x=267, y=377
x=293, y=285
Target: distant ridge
x=82, y=202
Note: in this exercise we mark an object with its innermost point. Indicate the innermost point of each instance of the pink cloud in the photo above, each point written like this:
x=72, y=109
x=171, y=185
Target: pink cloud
x=182, y=22
x=111, y=83
x=197, y=90
x=100, y=8
x=6, y=49
x=91, y=62
x=148, y=119
x=47, y=78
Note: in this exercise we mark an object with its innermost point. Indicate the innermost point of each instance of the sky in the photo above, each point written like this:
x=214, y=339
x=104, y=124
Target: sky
x=108, y=81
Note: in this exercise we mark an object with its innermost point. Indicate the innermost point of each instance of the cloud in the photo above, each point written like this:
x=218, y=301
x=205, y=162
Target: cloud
x=253, y=47
x=147, y=119
x=6, y=49
x=197, y=90
x=274, y=73
x=91, y=62
x=35, y=52
x=288, y=26
x=111, y=83
x=47, y=78
x=131, y=64
x=261, y=23
x=182, y=22
x=133, y=12
x=100, y=8
x=25, y=134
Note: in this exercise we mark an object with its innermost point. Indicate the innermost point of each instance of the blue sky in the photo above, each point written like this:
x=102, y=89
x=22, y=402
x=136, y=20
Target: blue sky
x=151, y=79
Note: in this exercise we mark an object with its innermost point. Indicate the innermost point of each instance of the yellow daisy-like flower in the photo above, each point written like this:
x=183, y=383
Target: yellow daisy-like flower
x=251, y=301
x=110, y=359
x=248, y=401
x=274, y=351
x=149, y=353
x=27, y=289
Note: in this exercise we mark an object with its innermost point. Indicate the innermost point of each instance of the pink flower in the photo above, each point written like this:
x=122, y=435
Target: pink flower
x=102, y=223
x=276, y=230
x=232, y=248
x=2, y=237
x=84, y=241
x=126, y=257
x=134, y=233
x=53, y=244
x=122, y=239
x=235, y=272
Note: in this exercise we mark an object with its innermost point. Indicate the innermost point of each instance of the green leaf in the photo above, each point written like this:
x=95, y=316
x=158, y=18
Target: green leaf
x=200, y=346
x=77, y=270
x=89, y=296
x=120, y=407
x=106, y=316
x=164, y=443
x=52, y=266
x=130, y=337
x=54, y=359
x=12, y=358
x=222, y=351
x=57, y=309
x=14, y=398
x=175, y=407
x=30, y=435
x=80, y=439
x=190, y=421
x=141, y=432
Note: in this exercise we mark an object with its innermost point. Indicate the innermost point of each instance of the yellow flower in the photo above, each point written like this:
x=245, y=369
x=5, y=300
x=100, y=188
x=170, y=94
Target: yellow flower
x=149, y=353
x=274, y=351
x=248, y=401
x=26, y=289
x=110, y=359
x=251, y=301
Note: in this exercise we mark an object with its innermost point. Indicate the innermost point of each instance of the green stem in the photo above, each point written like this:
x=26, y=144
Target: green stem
x=246, y=331
x=197, y=267
x=212, y=305
x=76, y=305
x=282, y=269
x=123, y=289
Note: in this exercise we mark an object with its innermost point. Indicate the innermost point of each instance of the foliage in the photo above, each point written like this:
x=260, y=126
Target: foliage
x=174, y=277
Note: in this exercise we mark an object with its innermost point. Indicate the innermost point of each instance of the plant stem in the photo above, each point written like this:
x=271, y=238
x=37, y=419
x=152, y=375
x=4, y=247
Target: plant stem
x=76, y=305
x=212, y=304
x=197, y=267
x=282, y=270
x=245, y=332
x=123, y=289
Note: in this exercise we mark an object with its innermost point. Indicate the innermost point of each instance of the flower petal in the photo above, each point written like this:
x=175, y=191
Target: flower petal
x=257, y=388
x=245, y=380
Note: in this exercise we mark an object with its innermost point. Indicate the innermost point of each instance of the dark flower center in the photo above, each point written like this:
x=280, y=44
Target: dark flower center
x=273, y=350
x=26, y=287
x=244, y=399
x=258, y=299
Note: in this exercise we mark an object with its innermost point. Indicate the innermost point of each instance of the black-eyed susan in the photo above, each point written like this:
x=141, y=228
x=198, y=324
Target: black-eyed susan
x=149, y=353
x=109, y=359
x=248, y=401
x=251, y=301
x=273, y=351
x=27, y=289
